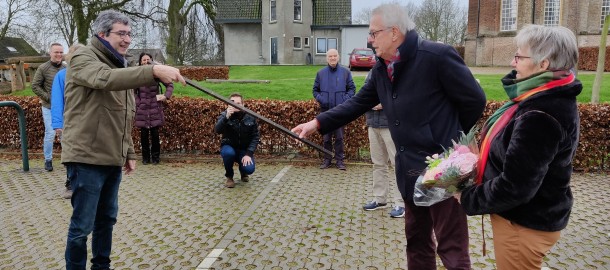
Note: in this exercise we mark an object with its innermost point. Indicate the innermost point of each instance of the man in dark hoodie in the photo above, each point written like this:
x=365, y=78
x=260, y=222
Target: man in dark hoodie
x=429, y=96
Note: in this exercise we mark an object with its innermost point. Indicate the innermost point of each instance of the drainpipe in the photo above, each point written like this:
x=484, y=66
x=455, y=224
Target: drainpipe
x=478, y=17
x=534, y=12
x=476, y=39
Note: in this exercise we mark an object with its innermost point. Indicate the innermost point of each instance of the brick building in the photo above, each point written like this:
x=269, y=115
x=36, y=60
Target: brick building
x=492, y=24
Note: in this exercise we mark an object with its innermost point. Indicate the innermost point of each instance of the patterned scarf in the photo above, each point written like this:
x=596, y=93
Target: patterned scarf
x=395, y=59
x=517, y=91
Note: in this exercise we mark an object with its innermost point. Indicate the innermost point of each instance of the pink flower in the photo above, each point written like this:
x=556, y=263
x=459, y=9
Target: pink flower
x=432, y=173
x=465, y=162
x=462, y=149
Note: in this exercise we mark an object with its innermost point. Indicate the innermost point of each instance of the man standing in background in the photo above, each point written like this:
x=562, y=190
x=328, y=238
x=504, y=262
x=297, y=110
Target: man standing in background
x=333, y=86
x=41, y=86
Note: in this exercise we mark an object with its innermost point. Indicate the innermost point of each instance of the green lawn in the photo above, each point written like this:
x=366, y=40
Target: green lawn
x=295, y=83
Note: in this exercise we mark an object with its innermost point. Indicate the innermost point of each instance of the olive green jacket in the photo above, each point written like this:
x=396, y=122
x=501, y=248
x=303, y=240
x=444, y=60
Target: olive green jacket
x=100, y=106
x=43, y=81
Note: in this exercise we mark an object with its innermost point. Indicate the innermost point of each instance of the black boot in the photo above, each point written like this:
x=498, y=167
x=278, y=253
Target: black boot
x=325, y=164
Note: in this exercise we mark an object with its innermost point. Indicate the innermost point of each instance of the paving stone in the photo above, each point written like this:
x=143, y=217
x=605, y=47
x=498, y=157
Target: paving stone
x=173, y=215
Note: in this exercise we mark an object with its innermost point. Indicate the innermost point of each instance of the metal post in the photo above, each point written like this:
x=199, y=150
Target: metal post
x=22, y=133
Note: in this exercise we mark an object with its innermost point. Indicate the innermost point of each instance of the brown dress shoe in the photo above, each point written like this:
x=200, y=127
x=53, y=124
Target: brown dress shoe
x=230, y=183
x=245, y=178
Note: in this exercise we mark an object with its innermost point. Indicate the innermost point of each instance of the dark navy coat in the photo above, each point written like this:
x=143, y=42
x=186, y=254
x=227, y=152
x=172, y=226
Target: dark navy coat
x=333, y=86
x=432, y=98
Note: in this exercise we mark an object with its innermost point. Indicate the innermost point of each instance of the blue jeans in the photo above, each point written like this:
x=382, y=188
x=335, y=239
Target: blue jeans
x=49, y=134
x=95, y=207
x=230, y=156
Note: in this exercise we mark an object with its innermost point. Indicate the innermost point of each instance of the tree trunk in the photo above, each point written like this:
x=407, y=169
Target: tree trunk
x=601, y=59
x=175, y=26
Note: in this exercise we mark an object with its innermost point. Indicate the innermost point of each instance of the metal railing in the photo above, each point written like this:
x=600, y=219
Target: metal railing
x=22, y=133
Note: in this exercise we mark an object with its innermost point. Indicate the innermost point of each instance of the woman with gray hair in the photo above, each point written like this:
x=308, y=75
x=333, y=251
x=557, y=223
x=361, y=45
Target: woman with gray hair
x=525, y=164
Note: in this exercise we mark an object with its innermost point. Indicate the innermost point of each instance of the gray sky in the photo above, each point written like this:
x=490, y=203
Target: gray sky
x=358, y=5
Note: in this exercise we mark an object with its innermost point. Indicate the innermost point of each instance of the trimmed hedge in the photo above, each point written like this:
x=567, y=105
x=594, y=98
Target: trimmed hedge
x=202, y=73
x=587, y=58
x=189, y=129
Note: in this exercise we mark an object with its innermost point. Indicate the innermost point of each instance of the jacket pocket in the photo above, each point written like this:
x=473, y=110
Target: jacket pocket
x=323, y=99
x=110, y=124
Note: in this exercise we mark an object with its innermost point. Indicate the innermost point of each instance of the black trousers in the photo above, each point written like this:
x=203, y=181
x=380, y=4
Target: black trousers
x=151, y=148
x=338, y=144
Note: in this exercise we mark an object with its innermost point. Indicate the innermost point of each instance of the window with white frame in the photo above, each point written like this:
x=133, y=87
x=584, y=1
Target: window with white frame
x=297, y=43
x=551, y=12
x=272, y=11
x=508, y=15
x=297, y=10
x=306, y=42
x=325, y=44
x=605, y=11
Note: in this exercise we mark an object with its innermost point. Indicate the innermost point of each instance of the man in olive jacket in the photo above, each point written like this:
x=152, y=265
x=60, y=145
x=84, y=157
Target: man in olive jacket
x=41, y=86
x=96, y=143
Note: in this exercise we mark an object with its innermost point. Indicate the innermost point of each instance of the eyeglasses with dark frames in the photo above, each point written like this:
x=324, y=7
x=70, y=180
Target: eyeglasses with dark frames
x=122, y=34
x=519, y=57
x=373, y=34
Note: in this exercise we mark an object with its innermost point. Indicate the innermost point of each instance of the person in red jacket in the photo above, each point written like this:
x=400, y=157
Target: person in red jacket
x=149, y=115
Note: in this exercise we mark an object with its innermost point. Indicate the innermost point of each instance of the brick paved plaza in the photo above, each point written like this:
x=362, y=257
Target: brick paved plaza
x=289, y=216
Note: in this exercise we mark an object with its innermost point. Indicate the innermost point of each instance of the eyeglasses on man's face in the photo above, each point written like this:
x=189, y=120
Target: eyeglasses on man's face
x=373, y=34
x=520, y=57
x=122, y=34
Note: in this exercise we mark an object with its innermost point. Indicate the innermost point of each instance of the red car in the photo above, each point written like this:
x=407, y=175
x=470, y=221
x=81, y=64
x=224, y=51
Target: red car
x=362, y=58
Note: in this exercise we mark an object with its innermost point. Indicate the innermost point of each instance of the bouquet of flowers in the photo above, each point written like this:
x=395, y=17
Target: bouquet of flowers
x=448, y=172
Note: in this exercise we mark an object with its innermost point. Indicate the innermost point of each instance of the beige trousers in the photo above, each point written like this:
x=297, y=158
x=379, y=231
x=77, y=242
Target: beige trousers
x=518, y=247
x=383, y=152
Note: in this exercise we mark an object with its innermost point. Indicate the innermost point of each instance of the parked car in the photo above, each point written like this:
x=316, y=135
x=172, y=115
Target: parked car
x=362, y=58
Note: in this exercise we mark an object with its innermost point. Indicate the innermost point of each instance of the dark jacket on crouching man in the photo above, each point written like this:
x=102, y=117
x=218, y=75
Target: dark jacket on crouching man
x=240, y=137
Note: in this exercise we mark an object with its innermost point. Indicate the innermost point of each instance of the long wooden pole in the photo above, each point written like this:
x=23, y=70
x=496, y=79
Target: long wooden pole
x=258, y=116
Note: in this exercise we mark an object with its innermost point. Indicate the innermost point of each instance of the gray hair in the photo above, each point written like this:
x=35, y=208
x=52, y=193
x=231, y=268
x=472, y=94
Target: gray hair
x=106, y=19
x=394, y=15
x=557, y=44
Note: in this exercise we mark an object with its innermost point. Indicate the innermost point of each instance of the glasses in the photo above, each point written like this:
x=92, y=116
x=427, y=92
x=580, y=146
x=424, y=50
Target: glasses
x=519, y=57
x=373, y=34
x=122, y=34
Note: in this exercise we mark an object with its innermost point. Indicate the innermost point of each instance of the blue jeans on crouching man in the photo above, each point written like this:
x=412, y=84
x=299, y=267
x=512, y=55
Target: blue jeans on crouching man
x=229, y=156
x=95, y=207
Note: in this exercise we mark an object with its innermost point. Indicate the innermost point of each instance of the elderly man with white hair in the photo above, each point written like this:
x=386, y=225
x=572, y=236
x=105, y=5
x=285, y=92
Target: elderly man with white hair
x=429, y=97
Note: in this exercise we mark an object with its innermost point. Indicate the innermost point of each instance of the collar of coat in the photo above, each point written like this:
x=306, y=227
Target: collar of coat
x=115, y=56
x=407, y=49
